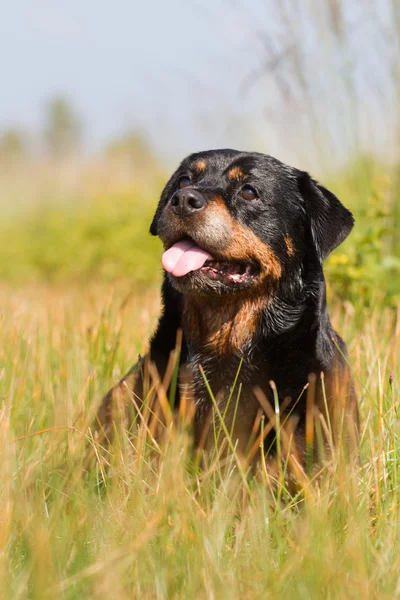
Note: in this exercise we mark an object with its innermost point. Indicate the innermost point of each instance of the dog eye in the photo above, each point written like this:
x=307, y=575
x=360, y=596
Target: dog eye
x=248, y=193
x=184, y=182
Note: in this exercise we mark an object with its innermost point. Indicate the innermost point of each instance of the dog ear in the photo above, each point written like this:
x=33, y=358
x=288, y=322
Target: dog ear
x=330, y=222
x=165, y=194
x=154, y=223
x=159, y=209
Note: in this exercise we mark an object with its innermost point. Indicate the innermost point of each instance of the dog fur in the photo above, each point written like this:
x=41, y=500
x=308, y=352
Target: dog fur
x=272, y=331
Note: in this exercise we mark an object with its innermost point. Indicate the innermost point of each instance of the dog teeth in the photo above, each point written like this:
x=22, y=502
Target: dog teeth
x=229, y=272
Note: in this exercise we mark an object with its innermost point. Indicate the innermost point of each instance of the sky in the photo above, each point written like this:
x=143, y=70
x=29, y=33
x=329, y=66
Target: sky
x=183, y=73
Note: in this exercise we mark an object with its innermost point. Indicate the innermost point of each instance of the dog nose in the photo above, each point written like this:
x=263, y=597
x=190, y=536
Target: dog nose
x=187, y=202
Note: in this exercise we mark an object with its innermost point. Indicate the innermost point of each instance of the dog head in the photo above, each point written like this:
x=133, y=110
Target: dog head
x=233, y=222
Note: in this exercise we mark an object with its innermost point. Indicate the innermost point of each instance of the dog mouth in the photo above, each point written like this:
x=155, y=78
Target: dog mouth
x=186, y=257
x=229, y=272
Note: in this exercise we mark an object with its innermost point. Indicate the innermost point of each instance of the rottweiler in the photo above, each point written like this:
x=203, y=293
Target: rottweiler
x=245, y=237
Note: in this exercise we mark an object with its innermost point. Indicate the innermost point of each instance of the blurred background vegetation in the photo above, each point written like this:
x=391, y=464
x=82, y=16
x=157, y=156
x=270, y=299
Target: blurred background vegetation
x=328, y=90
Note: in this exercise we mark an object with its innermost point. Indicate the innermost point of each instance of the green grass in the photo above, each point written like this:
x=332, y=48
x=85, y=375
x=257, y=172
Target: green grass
x=92, y=235
x=102, y=238
x=155, y=526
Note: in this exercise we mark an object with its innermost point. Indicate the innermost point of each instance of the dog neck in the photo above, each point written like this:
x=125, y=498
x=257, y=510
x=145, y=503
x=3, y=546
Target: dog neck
x=222, y=326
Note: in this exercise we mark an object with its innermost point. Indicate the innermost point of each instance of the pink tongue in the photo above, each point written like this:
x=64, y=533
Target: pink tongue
x=184, y=257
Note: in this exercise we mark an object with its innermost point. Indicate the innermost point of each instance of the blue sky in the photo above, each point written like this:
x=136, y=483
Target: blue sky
x=176, y=69
x=166, y=67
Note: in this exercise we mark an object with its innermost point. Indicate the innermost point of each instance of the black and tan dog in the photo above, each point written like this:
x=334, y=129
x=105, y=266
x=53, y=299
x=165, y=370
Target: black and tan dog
x=245, y=237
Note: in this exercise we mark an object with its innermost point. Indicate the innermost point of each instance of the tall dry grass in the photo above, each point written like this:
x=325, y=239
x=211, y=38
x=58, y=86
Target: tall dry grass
x=153, y=524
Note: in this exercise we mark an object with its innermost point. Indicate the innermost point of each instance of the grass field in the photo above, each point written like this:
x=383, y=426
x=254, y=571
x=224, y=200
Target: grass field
x=79, y=281
x=155, y=526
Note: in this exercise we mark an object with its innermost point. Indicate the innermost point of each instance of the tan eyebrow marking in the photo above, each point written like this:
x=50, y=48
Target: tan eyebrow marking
x=236, y=173
x=200, y=166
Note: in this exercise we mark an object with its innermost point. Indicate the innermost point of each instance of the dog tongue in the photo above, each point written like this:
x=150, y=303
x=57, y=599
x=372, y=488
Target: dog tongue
x=184, y=257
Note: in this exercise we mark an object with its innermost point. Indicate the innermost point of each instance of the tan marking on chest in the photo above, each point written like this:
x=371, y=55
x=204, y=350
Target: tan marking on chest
x=222, y=328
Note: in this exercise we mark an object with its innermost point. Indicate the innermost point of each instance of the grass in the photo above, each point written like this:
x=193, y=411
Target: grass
x=87, y=238
x=155, y=526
